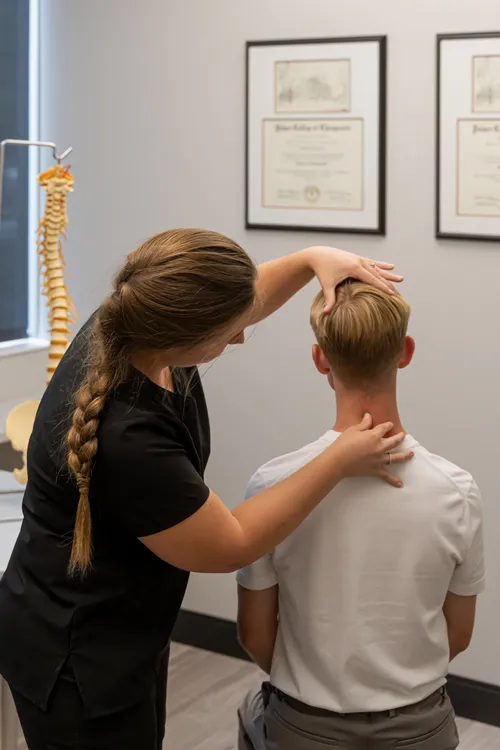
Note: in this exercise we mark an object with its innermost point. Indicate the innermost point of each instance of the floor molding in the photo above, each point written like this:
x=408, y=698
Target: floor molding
x=474, y=700
x=209, y=633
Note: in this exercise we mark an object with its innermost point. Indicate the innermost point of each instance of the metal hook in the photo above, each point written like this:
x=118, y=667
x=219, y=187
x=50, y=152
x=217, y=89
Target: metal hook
x=41, y=144
x=61, y=157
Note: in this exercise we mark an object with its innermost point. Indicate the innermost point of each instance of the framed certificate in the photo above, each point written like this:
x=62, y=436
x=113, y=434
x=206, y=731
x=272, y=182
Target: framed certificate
x=468, y=137
x=316, y=135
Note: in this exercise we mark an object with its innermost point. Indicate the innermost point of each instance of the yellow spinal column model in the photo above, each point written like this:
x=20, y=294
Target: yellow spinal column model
x=58, y=182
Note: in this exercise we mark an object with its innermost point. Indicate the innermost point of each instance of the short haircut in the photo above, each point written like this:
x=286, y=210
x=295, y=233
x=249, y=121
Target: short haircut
x=363, y=336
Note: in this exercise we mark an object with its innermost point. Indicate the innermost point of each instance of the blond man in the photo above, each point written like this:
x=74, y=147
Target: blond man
x=357, y=615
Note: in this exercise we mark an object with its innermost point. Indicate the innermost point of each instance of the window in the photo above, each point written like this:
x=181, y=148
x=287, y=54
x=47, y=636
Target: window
x=15, y=225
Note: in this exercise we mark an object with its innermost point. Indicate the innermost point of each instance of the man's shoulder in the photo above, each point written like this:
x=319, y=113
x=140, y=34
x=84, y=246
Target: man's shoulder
x=443, y=471
x=283, y=466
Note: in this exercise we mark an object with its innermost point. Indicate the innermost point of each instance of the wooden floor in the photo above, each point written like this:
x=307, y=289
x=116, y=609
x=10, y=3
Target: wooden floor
x=205, y=689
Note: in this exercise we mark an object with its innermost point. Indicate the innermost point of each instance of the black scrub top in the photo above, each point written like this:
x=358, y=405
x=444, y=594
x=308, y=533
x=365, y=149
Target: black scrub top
x=113, y=625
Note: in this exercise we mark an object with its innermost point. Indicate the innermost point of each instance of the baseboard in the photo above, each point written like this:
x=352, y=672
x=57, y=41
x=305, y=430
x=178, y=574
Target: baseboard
x=209, y=633
x=474, y=700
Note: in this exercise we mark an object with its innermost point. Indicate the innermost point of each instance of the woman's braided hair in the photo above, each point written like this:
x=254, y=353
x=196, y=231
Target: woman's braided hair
x=175, y=290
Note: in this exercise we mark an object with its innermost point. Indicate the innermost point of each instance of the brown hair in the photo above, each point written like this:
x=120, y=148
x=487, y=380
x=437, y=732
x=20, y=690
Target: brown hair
x=175, y=290
x=363, y=336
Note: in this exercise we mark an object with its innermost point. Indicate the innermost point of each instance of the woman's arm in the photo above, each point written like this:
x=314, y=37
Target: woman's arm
x=217, y=540
x=278, y=280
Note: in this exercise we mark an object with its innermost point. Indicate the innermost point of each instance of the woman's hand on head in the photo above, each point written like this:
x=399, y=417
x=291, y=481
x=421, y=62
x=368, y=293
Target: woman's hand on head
x=332, y=266
x=365, y=451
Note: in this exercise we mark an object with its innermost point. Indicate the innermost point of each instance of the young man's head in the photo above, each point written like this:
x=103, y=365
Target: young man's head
x=362, y=342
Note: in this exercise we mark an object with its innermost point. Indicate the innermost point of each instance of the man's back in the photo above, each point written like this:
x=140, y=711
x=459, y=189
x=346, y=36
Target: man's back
x=363, y=581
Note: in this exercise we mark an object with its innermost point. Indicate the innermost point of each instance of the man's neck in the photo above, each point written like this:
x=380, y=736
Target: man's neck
x=353, y=405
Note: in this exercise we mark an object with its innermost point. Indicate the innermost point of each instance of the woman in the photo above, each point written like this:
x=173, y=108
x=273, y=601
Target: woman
x=116, y=511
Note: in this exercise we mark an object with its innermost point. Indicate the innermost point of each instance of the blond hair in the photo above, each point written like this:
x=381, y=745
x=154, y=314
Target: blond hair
x=175, y=290
x=363, y=336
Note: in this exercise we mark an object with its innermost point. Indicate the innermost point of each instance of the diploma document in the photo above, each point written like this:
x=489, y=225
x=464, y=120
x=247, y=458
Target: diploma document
x=478, y=168
x=312, y=163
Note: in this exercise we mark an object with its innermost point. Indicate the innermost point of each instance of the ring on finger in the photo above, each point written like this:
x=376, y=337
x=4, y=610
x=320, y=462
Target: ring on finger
x=372, y=264
x=389, y=458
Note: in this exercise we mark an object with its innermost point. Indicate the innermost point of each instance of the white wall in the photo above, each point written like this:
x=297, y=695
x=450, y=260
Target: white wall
x=151, y=96
x=22, y=377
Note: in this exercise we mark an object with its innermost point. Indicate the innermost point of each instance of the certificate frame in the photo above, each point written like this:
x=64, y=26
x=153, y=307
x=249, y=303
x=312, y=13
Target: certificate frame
x=467, y=192
x=341, y=67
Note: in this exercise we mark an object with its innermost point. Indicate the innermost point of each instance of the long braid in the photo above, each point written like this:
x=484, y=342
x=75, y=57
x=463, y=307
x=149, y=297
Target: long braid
x=82, y=444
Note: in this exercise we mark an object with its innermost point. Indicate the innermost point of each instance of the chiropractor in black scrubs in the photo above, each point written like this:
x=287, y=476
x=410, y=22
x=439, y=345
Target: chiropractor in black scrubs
x=116, y=511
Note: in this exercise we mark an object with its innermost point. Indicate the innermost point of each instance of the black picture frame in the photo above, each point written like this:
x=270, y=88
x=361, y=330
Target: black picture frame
x=440, y=234
x=380, y=229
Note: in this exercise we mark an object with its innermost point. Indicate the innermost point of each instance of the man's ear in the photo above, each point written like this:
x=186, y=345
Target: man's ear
x=321, y=362
x=407, y=353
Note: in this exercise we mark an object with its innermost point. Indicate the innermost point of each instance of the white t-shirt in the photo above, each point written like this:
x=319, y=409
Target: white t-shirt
x=363, y=580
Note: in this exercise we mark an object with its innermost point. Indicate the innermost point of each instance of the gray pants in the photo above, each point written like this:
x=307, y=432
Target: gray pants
x=269, y=722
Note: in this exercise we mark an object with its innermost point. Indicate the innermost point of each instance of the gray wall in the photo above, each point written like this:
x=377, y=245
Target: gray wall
x=151, y=96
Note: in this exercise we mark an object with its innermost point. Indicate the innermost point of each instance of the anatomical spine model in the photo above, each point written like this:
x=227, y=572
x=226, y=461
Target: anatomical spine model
x=58, y=182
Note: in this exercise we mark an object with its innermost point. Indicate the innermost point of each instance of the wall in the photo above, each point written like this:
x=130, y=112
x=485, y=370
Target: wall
x=151, y=96
x=22, y=377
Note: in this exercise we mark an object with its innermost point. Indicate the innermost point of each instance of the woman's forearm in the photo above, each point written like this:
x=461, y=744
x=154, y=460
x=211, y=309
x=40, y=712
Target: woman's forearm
x=217, y=540
x=279, y=280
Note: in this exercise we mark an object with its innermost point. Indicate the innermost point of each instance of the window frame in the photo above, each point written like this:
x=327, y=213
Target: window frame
x=37, y=330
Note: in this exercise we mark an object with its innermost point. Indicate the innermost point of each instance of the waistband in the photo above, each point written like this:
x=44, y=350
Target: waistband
x=304, y=708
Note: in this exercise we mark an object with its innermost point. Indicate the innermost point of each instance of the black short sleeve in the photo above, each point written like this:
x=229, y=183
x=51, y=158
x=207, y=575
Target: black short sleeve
x=151, y=483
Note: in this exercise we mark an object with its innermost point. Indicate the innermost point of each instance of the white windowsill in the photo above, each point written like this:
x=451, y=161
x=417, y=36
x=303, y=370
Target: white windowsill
x=22, y=346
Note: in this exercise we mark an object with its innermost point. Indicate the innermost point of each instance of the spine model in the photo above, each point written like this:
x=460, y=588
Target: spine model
x=58, y=182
